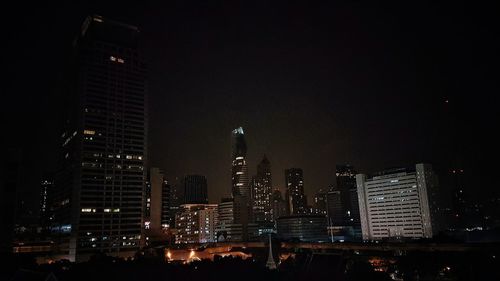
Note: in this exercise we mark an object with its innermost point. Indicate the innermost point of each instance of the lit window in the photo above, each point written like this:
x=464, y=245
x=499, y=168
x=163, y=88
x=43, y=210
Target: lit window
x=86, y=210
x=88, y=132
x=117, y=210
x=107, y=210
x=112, y=58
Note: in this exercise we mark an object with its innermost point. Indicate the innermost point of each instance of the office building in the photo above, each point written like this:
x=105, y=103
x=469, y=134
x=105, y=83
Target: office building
x=98, y=205
x=195, y=223
x=398, y=203
x=167, y=216
x=230, y=224
x=296, y=199
x=262, y=192
x=346, y=185
x=47, y=188
x=279, y=205
x=319, y=204
x=334, y=210
x=157, y=215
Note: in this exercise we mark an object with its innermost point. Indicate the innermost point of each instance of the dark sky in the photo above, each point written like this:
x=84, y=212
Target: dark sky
x=313, y=85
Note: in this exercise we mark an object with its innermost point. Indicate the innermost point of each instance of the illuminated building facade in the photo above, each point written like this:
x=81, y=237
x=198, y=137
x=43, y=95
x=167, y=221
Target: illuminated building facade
x=195, y=223
x=99, y=199
x=398, y=203
x=262, y=192
x=296, y=199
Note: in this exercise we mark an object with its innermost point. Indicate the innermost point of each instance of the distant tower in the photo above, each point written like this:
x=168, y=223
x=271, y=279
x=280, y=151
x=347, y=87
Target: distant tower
x=239, y=170
x=346, y=185
x=239, y=181
x=262, y=192
x=270, y=260
x=295, y=196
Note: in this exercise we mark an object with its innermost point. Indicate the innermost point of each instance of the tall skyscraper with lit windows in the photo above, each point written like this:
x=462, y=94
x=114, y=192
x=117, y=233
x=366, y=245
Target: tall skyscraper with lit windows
x=262, y=192
x=98, y=202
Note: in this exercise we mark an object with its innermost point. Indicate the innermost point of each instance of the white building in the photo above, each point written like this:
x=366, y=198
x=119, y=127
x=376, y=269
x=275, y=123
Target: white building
x=196, y=223
x=398, y=203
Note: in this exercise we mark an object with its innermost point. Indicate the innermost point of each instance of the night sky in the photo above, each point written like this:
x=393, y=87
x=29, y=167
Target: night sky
x=313, y=85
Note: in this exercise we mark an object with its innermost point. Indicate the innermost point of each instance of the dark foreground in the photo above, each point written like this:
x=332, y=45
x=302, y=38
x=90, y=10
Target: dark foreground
x=415, y=266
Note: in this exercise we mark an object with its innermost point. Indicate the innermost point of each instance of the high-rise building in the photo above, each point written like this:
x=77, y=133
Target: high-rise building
x=195, y=223
x=398, y=203
x=195, y=189
x=346, y=184
x=167, y=216
x=99, y=198
x=279, y=205
x=239, y=170
x=334, y=210
x=157, y=213
x=320, y=199
x=239, y=180
x=262, y=192
x=227, y=229
x=47, y=188
x=296, y=199
x=176, y=198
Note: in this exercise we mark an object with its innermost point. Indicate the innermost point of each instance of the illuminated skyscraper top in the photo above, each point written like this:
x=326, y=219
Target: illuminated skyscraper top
x=239, y=169
x=239, y=146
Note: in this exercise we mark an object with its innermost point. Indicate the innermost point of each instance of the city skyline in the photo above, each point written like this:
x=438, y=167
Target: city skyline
x=261, y=140
x=308, y=94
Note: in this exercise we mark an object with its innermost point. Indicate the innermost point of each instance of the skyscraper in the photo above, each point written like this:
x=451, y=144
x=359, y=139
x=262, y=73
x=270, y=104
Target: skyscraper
x=346, y=185
x=47, y=187
x=239, y=179
x=320, y=199
x=195, y=189
x=279, y=205
x=239, y=170
x=262, y=192
x=296, y=199
x=157, y=205
x=398, y=203
x=99, y=199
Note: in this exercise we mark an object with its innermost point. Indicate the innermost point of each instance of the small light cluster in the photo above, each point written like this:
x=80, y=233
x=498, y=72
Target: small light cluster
x=115, y=59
